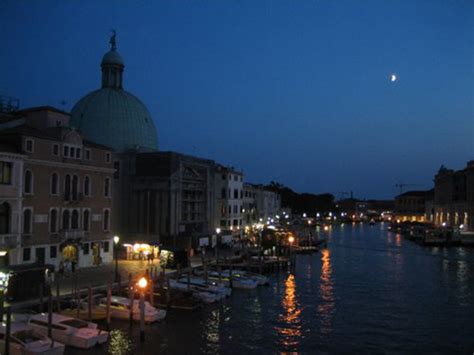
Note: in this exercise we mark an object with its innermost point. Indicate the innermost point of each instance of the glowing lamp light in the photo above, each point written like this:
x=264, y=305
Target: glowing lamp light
x=218, y=230
x=326, y=228
x=309, y=222
x=116, y=239
x=291, y=239
x=142, y=283
x=304, y=215
x=460, y=227
x=3, y=252
x=444, y=224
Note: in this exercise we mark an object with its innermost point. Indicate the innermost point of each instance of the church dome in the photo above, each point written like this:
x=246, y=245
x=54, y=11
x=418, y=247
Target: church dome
x=112, y=57
x=112, y=116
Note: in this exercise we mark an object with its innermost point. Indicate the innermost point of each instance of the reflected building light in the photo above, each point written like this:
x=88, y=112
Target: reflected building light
x=290, y=332
x=326, y=307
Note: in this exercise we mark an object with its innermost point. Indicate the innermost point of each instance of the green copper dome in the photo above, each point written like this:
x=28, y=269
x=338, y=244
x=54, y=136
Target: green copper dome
x=115, y=118
x=112, y=116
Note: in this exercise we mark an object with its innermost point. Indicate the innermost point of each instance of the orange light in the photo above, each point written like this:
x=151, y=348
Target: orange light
x=143, y=282
x=291, y=239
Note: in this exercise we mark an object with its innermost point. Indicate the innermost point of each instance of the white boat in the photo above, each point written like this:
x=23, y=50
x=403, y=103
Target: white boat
x=238, y=279
x=69, y=331
x=198, y=292
x=261, y=279
x=467, y=238
x=120, y=309
x=27, y=341
x=211, y=285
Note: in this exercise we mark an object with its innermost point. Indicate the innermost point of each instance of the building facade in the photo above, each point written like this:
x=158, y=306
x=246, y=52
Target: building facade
x=58, y=201
x=410, y=206
x=229, y=195
x=268, y=202
x=11, y=202
x=454, y=197
x=164, y=197
x=250, y=212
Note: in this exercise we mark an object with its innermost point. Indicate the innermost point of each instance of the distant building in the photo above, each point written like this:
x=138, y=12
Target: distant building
x=56, y=191
x=410, y=206
x=356, y=210
x=261, y=203
x=164, y=197
x=250, y=214
x=229, y=196
x=454, y=197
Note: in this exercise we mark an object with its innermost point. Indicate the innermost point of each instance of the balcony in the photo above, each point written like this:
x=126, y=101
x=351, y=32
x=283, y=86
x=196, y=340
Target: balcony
x=71, y=234
x=8, y=241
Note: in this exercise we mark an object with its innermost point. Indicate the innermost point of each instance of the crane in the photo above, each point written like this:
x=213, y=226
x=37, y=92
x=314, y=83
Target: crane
x=401, y=186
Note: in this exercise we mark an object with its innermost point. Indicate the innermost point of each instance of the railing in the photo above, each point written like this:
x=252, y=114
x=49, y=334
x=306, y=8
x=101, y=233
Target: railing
x=8, y=240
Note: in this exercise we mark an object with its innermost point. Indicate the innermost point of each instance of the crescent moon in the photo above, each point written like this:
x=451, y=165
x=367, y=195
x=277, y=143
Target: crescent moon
x=393, y=78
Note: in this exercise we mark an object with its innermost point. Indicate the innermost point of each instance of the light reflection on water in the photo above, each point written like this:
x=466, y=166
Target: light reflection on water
x=290, y=331
x=370, y=291
x=326, y=306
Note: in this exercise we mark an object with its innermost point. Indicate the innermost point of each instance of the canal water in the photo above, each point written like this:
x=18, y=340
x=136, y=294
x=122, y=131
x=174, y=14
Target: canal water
x=370, y=291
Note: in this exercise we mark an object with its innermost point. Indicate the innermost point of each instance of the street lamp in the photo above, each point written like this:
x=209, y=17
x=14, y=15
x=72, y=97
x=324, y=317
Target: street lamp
x=116, y=241
x=218, y=231
x=142, y=285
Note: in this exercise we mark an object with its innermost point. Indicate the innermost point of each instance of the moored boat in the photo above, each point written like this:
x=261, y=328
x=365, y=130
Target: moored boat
x=120, y=309
x=466, y=238
x=238, y=279
x=27, y=341
x=211, y=285
x=199, y=292
x=69, y=331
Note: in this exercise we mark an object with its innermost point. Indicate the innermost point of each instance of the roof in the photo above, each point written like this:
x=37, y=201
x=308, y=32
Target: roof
x=420, y=193
x=25, y=130
x=89, y=143
x=43, y=108
x=53, y=133
x=115, y=118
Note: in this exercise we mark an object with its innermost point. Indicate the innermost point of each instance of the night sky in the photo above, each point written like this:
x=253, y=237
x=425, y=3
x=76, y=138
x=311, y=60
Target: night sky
x=296, y=91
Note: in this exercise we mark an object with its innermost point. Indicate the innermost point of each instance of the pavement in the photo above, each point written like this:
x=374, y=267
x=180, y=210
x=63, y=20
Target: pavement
x=102, y=275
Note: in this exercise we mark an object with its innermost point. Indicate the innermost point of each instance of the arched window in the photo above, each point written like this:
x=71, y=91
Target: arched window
x=85, y=220
x=106, y=220
x=28, y=182
x=27, y=216
x=54, y=184
x=75, y=182
x=66, y=219
x=67, y=187
x=53, y=221
x=75, y=220
x=87, y=186
x=5, y=212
